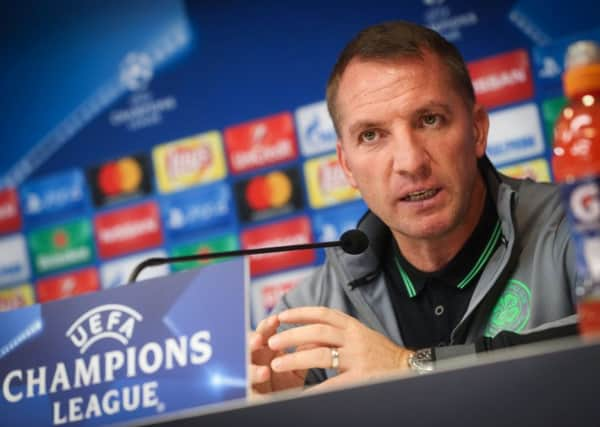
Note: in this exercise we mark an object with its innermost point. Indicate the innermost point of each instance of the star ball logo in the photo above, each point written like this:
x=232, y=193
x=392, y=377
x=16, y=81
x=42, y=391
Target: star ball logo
x=112, y=322
x=142, y=109
x=136, y=71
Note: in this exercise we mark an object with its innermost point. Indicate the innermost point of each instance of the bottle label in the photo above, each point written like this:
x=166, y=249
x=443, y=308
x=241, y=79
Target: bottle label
x=582, y=199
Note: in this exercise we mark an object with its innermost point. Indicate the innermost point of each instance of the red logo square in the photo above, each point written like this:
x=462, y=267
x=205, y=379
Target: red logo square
x=290, y=232
x=10, y=216
x=502, y=79
x=128, y=230
x=261, y=143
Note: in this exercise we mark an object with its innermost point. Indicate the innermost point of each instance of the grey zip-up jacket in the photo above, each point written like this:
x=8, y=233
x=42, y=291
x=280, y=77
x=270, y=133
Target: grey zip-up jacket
x=527, y=284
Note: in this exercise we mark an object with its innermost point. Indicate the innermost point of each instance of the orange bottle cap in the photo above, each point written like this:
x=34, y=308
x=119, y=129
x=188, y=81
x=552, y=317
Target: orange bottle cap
x=585, y=78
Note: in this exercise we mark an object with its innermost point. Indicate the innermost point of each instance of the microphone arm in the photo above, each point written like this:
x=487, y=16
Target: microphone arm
x=352, y=242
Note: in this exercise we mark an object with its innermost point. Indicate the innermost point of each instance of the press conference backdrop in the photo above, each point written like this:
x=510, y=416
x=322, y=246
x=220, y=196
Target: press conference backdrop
x=137, y=129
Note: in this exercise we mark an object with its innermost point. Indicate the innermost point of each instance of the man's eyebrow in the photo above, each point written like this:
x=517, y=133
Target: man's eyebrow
x=364, y=124
x=433, y=106
x=425, y=108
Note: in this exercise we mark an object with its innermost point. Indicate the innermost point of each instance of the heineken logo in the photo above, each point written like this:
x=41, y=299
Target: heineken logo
x=58, y=247
x=512, y=310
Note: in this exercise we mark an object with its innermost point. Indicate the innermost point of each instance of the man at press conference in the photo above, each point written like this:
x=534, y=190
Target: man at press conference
x=461, y=259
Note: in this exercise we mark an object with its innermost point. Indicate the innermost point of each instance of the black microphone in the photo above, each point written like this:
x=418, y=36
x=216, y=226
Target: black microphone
x=352, y=242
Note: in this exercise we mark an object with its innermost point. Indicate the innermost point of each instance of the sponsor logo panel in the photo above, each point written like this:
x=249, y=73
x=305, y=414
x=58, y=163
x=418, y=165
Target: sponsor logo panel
x=16, y=297
x=326, y=182
x=551, y=108
x=583, y=199
x=14, y=262
x=502, y=79
x=67, y=285
x=53, y=195
x=120, y=180
x=315, y=129
x=548, y=61
x=66, y=245
x=265, y=196
x=199, y=208
x=261, y=143
x=329, y=224
x=116, y=273
x=515, y=134
x=228, y=242
x=10, y=217
x=267, y=291
x=538, y=170
x=128, y=230
x=289, y=232
x=189, y=161
x=127, y=353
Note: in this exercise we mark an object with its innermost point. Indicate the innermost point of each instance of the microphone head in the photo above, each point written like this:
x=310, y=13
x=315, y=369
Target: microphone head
x=354, y=241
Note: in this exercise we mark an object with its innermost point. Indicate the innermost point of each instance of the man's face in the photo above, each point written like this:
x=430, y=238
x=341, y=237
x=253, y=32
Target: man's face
x=410, y=144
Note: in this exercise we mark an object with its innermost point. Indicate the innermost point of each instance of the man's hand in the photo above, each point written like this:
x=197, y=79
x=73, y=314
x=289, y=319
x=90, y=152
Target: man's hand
x=262, y=377
x=363, y=352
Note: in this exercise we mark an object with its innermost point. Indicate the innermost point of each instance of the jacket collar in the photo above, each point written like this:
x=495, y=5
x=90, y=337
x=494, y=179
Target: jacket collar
x=365, y=267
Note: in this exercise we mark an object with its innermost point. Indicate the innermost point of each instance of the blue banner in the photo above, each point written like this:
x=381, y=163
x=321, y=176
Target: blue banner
x=50, y=197
x=205, y=207
x=136, y=351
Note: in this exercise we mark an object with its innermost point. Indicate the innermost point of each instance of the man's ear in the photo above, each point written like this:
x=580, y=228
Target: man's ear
x=481, y=126
x=344, y=164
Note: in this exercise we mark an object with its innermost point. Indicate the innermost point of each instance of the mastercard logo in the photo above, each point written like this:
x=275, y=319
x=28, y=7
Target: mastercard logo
x=270, y=191
x=120, y=177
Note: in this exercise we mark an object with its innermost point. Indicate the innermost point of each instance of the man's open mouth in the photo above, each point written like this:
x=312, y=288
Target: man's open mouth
x=417, y=196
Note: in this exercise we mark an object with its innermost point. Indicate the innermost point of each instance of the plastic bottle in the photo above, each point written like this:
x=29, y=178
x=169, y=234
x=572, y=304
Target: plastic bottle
x=576, y=165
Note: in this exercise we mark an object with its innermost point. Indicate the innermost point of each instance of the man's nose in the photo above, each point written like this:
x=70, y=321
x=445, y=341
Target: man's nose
x=409, y=155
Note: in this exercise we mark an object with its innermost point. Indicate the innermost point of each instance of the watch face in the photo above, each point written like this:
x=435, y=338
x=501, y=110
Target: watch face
x=421, y=361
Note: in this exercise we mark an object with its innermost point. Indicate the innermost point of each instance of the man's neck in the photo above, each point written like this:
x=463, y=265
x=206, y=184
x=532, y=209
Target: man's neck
x=433, y=254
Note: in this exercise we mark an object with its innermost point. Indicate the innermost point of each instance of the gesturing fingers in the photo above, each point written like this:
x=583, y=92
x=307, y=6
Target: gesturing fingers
x=317, y=334
x=268, y=326
x=319, y=357
x=315, y=315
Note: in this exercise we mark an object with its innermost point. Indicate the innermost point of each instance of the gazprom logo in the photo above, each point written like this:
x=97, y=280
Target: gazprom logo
x=115, y=321
x=585, y=202
x=136, y=71
x=315, y=129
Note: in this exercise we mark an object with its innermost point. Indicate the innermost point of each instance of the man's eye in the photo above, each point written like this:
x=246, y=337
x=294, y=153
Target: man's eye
x=431, y=120
x=368, y=136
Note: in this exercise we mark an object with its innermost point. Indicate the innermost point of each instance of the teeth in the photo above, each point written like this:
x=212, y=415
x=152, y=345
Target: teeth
x=420, y=195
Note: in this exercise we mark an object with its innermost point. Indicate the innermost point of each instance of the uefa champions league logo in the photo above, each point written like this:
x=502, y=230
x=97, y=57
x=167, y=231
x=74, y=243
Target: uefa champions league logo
x=115, y=321
x=143, y=109
x=136, y=71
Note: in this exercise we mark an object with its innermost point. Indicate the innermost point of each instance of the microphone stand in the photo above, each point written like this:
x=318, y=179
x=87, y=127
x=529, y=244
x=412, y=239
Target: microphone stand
x=352, y=241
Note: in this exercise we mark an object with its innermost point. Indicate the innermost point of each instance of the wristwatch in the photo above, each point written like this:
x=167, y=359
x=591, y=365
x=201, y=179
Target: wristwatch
x=422, y=361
